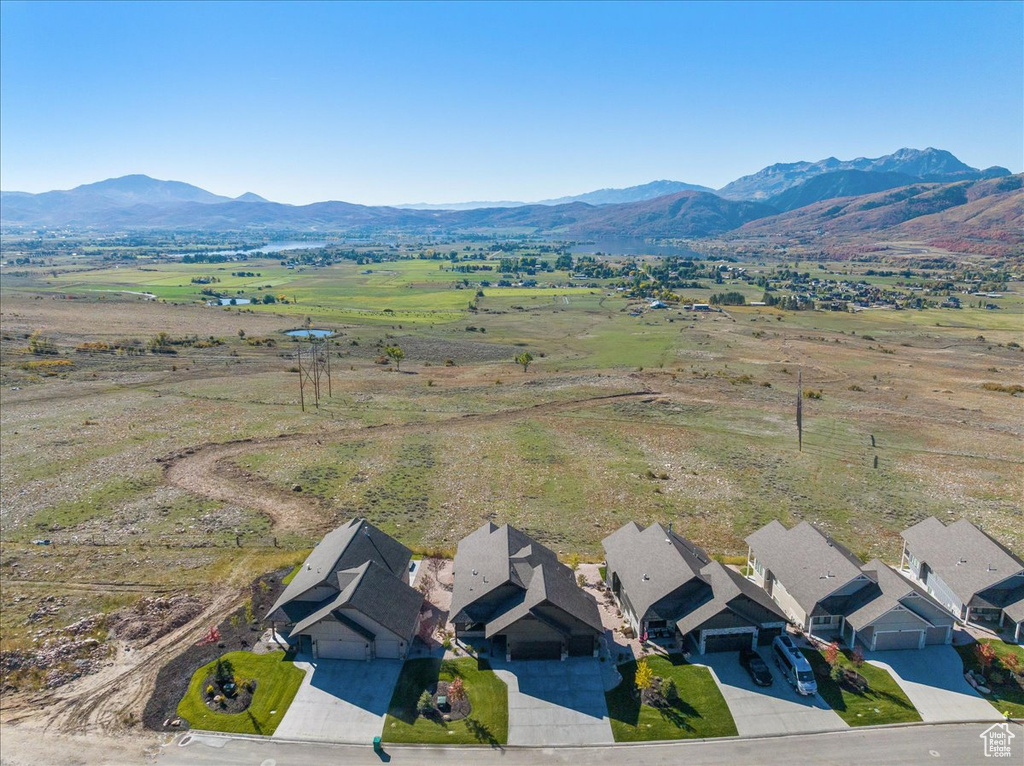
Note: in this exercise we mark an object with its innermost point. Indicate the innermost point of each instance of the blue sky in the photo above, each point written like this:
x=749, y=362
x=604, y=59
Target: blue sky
x=389, y=103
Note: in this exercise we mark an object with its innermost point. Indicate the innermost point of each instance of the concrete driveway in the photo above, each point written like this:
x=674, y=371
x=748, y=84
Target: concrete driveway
x=340, y=700
x=775, y=709
x=555, y=703
x=933, y=679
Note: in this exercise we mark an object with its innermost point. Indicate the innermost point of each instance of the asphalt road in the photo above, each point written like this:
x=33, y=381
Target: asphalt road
x=956, y=744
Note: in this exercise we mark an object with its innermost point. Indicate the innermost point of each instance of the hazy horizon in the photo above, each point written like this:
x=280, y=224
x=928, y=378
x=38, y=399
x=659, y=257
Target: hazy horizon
x=447, y=103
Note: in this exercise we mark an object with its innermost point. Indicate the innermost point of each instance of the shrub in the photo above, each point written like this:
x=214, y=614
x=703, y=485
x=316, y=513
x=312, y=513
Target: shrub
x=425, y=704
x=670, y=690
x=224, y=671
x=209, y=690
x=456, y=690
x=857, y=657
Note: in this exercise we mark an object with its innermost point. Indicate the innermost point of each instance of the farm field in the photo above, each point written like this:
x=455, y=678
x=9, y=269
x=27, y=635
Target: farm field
x=155, y=473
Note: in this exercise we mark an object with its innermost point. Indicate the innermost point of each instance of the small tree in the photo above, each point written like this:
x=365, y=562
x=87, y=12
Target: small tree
x=249, y=616
x=426, y=585
x=241, y=334
x=524, y=359
x=434, y=565
x=1012, y=662
x=832, y=654
x=395, y=354
x=574, y=561
x=224, y=671
x=857, y=657
x=425, y=705
x=670, y=690
x=985, y=655
x=581, y=580
x=456, y=690
x=644, y=676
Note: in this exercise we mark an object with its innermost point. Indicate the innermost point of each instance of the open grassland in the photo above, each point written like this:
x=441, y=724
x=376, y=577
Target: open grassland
x=198, y=470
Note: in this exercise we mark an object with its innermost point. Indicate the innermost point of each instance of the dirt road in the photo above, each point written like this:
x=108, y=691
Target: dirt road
x=208, y=471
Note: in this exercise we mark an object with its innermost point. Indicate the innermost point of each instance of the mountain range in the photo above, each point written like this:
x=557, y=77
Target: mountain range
x=921, y=192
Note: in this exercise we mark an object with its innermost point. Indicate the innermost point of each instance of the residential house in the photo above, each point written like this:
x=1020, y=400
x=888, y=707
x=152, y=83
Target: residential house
x=668, y=587
x=351, y=598
x=969, y=572
x=831, y=594
x=513, y=592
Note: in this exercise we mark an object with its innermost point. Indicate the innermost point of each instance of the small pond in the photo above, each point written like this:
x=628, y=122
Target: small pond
x=231, y=302
x=312, y=333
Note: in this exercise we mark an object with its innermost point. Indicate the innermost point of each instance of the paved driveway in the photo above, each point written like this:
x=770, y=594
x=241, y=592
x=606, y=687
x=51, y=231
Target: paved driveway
x=933, y=679
x=776, y=709
x=555, y=703
x=341, y=700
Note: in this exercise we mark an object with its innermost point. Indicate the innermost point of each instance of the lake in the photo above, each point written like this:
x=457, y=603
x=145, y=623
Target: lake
x=632, y=246
x=275, y=247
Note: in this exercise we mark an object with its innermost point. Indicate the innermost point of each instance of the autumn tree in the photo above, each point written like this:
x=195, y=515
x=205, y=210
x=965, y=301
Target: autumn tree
x=985, y=655
x=396, y=355
x=524, y=359
x=644, y=676
x=456, y=690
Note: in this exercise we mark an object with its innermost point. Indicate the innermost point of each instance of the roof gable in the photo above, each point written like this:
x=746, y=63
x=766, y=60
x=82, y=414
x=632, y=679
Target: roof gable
x=966, y=558
x=491, y=557
x=652, y=564
x=810, y=565
x=346, y=547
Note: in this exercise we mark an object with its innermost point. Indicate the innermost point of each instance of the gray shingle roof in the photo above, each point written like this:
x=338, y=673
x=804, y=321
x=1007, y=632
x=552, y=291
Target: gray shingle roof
x=347, y=547
x=809, y=565
x=652, y=564
x=1015, y=606
x=730, y=599
x=494, y=556
x=963, y=556
x=375, y=592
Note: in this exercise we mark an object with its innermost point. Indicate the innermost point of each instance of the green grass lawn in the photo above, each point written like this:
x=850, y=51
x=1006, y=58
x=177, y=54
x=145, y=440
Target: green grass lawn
x=487, y=723
x=1005, y=698
x=882, y=702
x=277, y=680
x=700, y=712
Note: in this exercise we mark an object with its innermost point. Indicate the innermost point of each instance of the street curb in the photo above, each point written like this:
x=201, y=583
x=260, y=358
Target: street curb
x=616, y=745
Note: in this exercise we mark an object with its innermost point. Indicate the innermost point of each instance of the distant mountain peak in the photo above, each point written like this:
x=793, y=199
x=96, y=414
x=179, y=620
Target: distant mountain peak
x=928, y=164
x=250, y=197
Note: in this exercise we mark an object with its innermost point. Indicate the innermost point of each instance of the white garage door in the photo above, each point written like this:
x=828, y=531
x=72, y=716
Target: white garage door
x=388, y=650
x=904, y=639
x=340, y=650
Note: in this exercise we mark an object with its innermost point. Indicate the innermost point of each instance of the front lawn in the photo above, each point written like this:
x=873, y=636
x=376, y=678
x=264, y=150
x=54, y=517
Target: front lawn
x=1007, y=697
x=277, y=680
x=882, y=702
x=487, y=723
x=700, y=712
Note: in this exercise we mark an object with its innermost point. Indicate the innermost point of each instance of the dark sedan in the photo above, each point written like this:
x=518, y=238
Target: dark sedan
x=757, y=667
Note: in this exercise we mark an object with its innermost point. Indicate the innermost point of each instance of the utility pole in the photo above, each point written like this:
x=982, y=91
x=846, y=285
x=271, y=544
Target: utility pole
x=800, y=410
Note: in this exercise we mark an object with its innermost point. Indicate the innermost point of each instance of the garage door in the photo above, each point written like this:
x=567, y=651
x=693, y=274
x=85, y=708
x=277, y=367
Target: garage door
x=581, y=646
x=389, y=650
x=537, y=650
x=727, y=642
x=341, y=650
x=936, y=635
x=905, y=639
x=766, y=635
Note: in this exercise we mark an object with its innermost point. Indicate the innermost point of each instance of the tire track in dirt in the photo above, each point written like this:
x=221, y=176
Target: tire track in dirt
x=112, y=700
x=207, y=470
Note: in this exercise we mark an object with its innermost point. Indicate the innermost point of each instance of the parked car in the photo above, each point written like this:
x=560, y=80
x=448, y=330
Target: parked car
x=794, y=666
x=757, y=667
